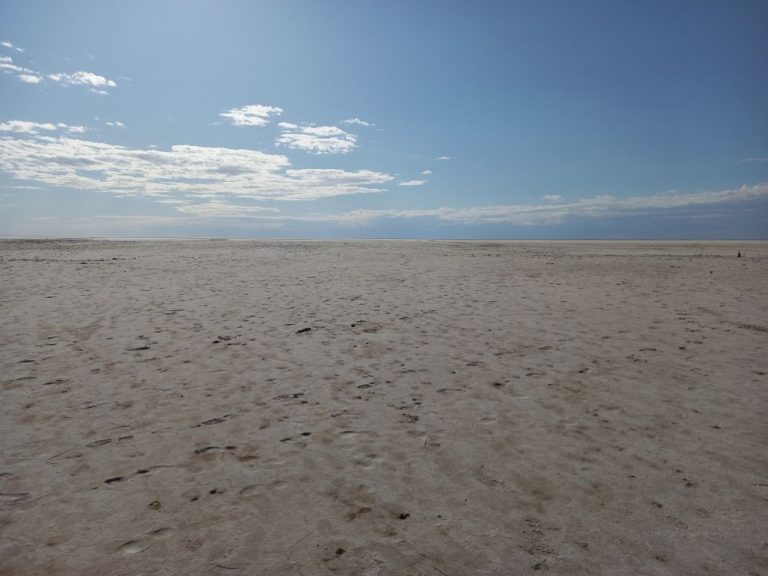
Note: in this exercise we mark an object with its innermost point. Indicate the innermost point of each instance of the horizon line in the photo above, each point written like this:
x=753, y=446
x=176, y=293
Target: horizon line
x=4, y=238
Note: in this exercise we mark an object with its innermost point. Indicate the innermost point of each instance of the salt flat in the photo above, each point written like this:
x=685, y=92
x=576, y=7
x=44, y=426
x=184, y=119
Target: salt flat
x=455, y=408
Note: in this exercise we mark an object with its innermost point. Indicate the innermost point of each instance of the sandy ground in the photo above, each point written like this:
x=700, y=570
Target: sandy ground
x=455, y=409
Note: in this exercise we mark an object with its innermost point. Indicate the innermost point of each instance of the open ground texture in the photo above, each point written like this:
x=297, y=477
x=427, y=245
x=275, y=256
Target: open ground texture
x=383, y=408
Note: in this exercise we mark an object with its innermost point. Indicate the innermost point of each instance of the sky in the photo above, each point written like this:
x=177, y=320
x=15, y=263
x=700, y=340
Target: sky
x=400, y=119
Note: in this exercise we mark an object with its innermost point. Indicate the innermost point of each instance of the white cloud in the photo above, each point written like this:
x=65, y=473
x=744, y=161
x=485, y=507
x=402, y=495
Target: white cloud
x=7, y=65
x=217, y=208
x=357, y=122
x=517, y=214
x=318, y=139
x=552, y=198
x=533, y=214
x=7, y=44
x=253, y=115
x=222, y=209
x=25, y=127
x=183, y=172
x=763, y=159
x=116, y=124
x=106, y=224
x=443, y=158
x=81, y=78
x=30, y=78
x=412, y=183
x=426, y=172
x=94, y=82
x=321, y=177
x=287, y=125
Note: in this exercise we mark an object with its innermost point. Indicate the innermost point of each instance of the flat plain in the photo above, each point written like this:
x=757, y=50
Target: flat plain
x=383, y=408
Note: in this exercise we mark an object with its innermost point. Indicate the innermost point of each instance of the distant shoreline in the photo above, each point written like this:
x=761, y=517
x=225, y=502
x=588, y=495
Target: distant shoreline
x=373, y=239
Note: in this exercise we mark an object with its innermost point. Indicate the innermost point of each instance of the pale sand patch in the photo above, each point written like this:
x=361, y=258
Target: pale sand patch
x=456, y=408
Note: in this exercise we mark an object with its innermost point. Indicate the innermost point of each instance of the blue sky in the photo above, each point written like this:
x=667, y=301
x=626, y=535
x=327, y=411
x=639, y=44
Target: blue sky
x=357, y=118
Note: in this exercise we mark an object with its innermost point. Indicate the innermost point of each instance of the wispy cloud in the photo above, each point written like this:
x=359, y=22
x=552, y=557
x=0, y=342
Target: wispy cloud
x=10, y=46
x=81, y=78
x=555, y=213
x=252, y=115
x=759, y=159
x=7, y=66
x=30, y=78
x=412, y=183
x=183, y=172
x=552, y=197
x=426, y=172
x=223, y=209
x=520, y=214
x=357, y=122
x=317, y=139
x=94, y=82
x=230, y=211
x=115, y=124
x=25, y=127
x=443, y=158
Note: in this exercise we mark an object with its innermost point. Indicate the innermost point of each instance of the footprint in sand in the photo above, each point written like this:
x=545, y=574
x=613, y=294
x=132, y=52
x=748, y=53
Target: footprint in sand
x=133, y=547
x=98, y=443
x=215, y=449
x=161, y=533
x=367, y=326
